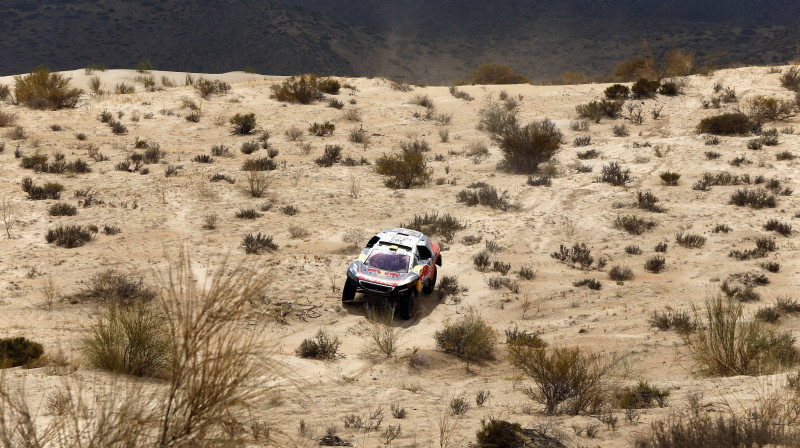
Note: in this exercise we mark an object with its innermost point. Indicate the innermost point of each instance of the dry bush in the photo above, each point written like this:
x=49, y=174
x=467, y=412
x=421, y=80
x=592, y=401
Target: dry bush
x=485, y=195
x=613, y=174
x=331, y=155
x=597, y=110
x=243, y=124
x=691, y=240
x=670, y=177
x=764, y=108
x=644, y=88
x=620, y=273
x=680, y=321
x=753, y=198
x=578, y=256
x=633, y=224
x=729, y=344
x=115, y=286
x=568, y=379
x=301, y=89
x=382, y=335
x=205, y=87
x=406, y=169
x=124, y=89
x=322, y=346
x=617, y=92
x=69, y=236
x=433, y=224
x=134, y=340
x=321, y=129
x=497, y=74
x=495, y=118
x=7, y=119
x=656, y=263
x=777, y=226
x=42, y=89
x=526, y=148
x=643, y=395
x=50, y=190
x=735, y=123
x=648, y=201
x=5, y=92
x=18, y=351
x=470, y=338
x=790, y=79
x=255, y=244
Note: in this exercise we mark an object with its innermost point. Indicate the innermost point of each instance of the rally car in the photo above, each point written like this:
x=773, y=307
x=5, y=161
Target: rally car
x=397, y=263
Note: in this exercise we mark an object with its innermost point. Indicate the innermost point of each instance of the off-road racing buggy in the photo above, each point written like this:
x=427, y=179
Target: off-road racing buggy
x=396, y=263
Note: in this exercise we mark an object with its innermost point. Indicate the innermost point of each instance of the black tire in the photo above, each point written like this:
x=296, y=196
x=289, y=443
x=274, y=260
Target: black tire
x=427, y=289
x=348, y=291
x=405, y=305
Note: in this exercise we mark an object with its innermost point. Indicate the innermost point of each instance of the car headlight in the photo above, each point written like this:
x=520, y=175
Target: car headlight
x=353, y=269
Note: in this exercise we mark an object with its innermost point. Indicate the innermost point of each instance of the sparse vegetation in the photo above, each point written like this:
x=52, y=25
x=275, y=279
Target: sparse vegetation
x=655, y=264
x=670, y=177
x=753, y=198
x=620, y=273
x=578, y=256
x=304, y=89
x=691, y=240
x=255, y=244
x=321, y=346
x=469, y=338
x=613, y=174
x=243, y=124
x=597, y=110
x=680, y=321
x=69, y=236
x=41, y=89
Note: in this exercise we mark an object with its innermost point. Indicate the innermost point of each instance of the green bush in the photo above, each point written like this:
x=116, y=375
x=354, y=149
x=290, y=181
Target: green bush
x=432, y=224
x=644, y=88
x=525, y=148
x=18, y=351
x=205, y=87
x=243, y=123
x=322, y=346
x=133, y=340
x=50, y=190
x=730, y=344
x=469, y=338
x=617, y=92
x=497, y=74
x=726, y=124
x=42, y=89
x=753, y=198
x=406, y=169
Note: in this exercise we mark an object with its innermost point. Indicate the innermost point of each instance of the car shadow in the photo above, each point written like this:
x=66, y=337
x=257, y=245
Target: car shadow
x=424, y=305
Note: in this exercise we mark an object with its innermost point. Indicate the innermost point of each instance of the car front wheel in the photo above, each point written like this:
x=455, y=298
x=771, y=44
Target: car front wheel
x=405, y=306
x=348, y=292
x=427, y=289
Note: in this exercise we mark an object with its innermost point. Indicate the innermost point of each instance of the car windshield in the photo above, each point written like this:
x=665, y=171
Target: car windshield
x=388, y=261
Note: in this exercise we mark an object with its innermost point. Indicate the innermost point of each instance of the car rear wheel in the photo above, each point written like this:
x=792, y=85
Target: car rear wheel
x=427, y=289
x=405, y=306
x=348, y=292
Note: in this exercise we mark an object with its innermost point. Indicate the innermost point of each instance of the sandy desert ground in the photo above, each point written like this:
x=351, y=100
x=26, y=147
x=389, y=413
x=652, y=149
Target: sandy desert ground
x=158, y=214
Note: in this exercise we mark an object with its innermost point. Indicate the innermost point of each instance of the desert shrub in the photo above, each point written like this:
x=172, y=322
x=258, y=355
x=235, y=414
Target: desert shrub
x=648, y=201
x=260, y=164
x=133, y=340
x=620, y=273
x=753, y=198
x=41, y=89
x=50, y=190
x=526, y=272
x=699, y=430
x=220, y=151
x=243, y=124
x=633, y=249
x=494, y=118
x=301, y=89
x=525, y=148
x=590, y=154
x=222, y=177
x=500, y=433
x=568, y=379
x=289, y=210
x=422, y=100
x=171, y=170
x=726, y=124
x=633, y=224
x=755, y=144
x=124, y=88
x=485, y=195
x=331, y=155
x=769, y=137
x=597, y=110
x=321, y=129
x=790, y=79
x=542, y=181
x=617, y=92
x=5, y=92
x=18, y=351
x=62, y=209
x=590, y=283
x=644, y=88
x=578, y=256
x=206, y=87
x=36, y=162
x=321, y=346
x=247, y=213
x=255, y=244
x=502, y=268
x=69, y=236
x=358, y=136
x=641, y=396
x=711, y=140
x=614, y=174
x=460, y=94
x=515, y=336
x=406, y=169
x=620, y=130
x=117, y=127
x=482, y=260
x=249, y=147
x=497, y=74
x=448, y=286
x=692, y=240
x=579, y=125
x=680, y=321
x=7, y=119
x=334, y=103
x=655, y=264
x=669, y=177
x=777, y=226
x=203, y=158
x=445, y=225
x=729, y=344
x=769, y=108
x=669, y=88
x=470, y=338
x=585, y=140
